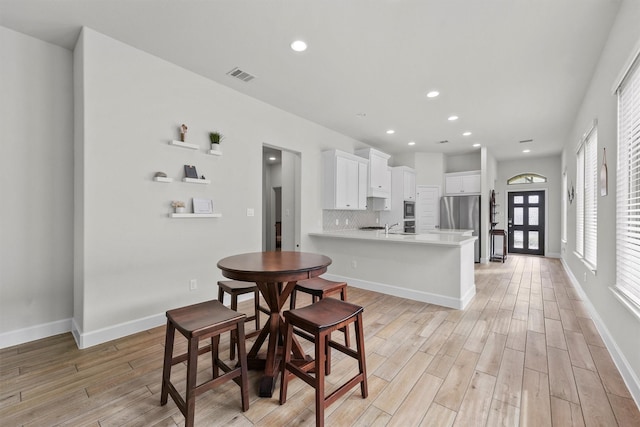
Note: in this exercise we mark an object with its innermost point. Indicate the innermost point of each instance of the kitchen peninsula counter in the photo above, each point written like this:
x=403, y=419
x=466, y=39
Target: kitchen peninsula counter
x=437, y=268
x=436, y=238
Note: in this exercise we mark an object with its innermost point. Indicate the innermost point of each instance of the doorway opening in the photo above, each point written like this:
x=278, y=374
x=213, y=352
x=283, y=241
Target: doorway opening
x=526, y=222
x=281, y=199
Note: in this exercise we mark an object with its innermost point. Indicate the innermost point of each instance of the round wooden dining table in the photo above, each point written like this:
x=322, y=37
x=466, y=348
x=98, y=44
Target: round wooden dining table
x=275, y=274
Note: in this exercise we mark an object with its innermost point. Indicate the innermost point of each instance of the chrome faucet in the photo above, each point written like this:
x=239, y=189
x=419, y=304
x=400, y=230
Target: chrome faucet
x=388, y=227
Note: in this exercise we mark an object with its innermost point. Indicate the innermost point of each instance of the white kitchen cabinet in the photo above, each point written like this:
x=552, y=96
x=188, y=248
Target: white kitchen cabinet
x=409, y=187
x=462, y=183
x=403, y=188
x=363, y=169
x=379, y=203
x=379, y=184
x=344, y=181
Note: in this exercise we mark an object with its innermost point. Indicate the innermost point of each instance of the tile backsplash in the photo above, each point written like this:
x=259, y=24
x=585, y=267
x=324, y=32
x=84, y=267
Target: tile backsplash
x=355, y=219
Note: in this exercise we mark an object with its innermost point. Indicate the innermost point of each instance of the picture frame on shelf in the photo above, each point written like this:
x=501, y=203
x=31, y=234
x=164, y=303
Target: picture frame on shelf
x=202, y=206
x=190, y=172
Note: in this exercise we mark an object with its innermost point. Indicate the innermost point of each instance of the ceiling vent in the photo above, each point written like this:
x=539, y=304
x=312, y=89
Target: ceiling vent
x=525, y=141
x=241, y=75
x=444, y=141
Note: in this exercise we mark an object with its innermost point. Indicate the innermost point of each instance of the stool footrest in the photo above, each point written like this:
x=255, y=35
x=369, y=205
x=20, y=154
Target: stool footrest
x=208, y=385
x=336, y=394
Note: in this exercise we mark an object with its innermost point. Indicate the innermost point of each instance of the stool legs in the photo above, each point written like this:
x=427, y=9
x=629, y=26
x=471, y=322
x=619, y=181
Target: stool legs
x=362, y=364
x=322, y=367
x=244, y=373
x=233, y=294
x=239, y=375
x=166, y=369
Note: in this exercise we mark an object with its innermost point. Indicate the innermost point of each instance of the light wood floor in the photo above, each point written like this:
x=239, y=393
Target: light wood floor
x=525, y=352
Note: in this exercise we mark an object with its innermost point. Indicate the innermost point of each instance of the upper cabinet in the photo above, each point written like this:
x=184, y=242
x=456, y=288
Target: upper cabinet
x=409, y=178
x=379, y=184
x=404, y=185
x=345, y=181
x=462, y=183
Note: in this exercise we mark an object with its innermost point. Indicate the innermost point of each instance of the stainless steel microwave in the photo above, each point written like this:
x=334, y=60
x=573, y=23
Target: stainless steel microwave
x=409, y=210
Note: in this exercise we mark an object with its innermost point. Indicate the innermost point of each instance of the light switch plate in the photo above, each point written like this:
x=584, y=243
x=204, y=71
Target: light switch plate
x=250, y=212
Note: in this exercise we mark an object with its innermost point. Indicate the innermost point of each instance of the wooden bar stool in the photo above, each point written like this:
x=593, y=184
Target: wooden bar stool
x=318, y=321
x=320, y=288
x=197, y=322
x=235, y=288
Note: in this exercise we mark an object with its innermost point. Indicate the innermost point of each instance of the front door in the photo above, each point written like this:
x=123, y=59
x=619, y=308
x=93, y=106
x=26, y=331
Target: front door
x=526, y=222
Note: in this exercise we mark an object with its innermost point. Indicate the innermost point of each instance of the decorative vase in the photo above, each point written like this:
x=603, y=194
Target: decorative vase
x=180, y=209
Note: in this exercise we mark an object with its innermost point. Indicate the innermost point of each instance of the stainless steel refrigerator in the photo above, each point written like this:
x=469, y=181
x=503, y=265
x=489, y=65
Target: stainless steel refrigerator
x=462, y=213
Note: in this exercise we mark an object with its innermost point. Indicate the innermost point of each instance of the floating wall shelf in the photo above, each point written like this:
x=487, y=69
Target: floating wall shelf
x=162, y=179
x=192, y=215
x=183, y=144
x=196, y=181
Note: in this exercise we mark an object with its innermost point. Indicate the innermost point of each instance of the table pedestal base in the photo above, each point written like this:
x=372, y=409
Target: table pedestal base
x=274, y=330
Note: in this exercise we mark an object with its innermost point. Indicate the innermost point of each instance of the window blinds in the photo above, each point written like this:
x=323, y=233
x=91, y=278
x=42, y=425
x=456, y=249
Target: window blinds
x=580, y=202
x=591, y=199
x=628, y=186
x=587, y=198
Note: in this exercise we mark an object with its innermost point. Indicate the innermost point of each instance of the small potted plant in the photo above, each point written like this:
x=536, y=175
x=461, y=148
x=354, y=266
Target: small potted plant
x=178, y=206
x=215, y=138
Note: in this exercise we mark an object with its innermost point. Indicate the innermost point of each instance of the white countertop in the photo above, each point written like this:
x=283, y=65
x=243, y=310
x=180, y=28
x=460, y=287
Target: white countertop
x=442, y=238
x=450, y=231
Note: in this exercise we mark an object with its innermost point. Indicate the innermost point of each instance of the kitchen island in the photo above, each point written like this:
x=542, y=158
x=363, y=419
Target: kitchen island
x=437, y=268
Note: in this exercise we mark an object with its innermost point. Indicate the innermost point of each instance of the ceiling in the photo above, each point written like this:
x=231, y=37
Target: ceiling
x=512, y=70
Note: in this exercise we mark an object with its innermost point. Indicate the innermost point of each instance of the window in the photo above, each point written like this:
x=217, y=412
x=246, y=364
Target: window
x=587, y=198
x=565, y=200
x=628, y=190
x=526, y=178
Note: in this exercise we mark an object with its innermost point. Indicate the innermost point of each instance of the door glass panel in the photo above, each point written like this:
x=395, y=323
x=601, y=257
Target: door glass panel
x=518, y=216
x=533, y=240
x=533, y=216
x=518, y=239
x=534, y=200
x=518, y=200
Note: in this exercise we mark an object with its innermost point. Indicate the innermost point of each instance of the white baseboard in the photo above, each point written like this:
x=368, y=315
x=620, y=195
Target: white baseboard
x=430, y=298
x=36, y=332
x=553, y=255
x=89, y=339
x=628, y=375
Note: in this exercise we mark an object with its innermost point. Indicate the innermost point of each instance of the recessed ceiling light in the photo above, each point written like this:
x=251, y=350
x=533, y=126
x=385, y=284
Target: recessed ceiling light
x=273, y=159
x=433, y=94
x=526, y=151
x=452, y=118
x=299, y=46
x=466, y=133
x=476, y=145
x=391, y=131
x=412, y=143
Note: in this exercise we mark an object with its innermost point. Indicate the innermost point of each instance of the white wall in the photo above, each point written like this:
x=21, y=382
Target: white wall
x=601, y=104
x=136, y=261
x=36, y=178
x=548, y=166
x=430, y=169
x=463, y=162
